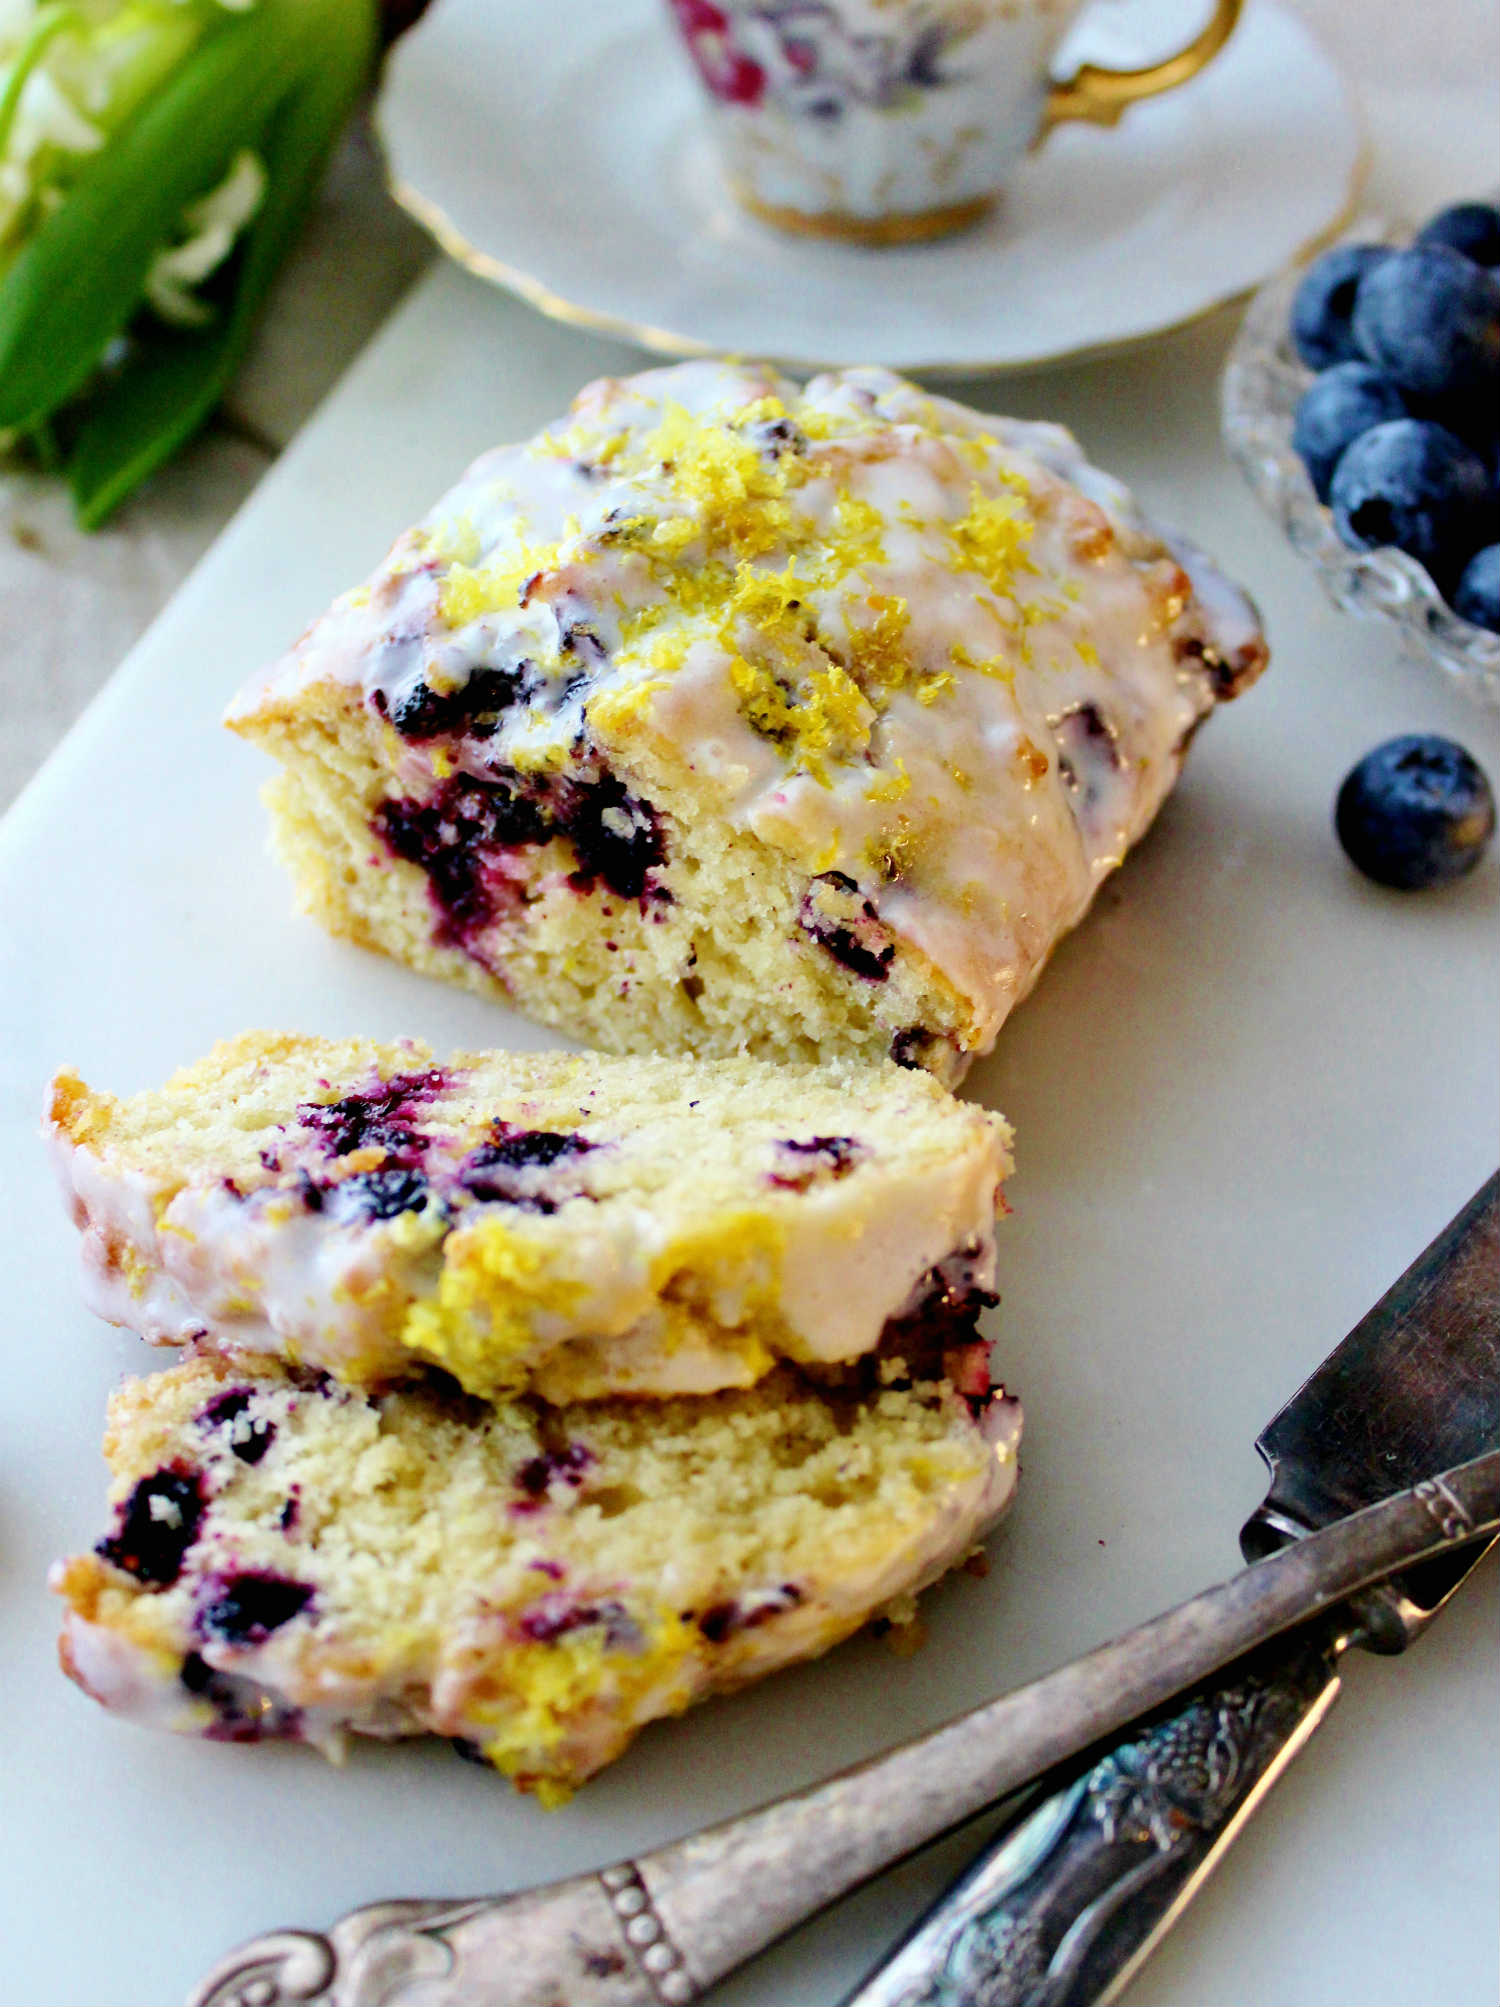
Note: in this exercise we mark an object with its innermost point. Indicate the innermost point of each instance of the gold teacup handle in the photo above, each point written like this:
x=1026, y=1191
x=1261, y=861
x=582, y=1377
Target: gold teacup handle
x=1100, y=95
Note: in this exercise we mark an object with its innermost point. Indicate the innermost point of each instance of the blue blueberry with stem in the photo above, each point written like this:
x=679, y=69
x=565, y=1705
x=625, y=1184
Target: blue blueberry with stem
x=1415, y=812
x=1324, y=303
x=1345, y=401
x=1477, y=596
x=1412, y=484
x=1430, y=319
x=1472, y=228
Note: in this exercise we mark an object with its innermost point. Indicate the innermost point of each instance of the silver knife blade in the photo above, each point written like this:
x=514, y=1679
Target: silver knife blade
x=1415, y=1387
x=1071, y=1896
x=660, y=1930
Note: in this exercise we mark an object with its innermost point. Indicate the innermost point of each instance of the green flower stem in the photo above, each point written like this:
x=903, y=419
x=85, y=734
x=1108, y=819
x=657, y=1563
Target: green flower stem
x=142, y=417
x=49, y=24
x=77, y=281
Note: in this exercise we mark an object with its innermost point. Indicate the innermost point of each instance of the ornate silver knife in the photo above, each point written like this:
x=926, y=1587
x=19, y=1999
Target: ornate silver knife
x=1069, y=1899
x=660, y=1930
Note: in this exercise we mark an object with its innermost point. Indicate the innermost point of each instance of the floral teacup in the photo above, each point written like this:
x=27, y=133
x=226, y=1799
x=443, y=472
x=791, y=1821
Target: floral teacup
x=887, y=120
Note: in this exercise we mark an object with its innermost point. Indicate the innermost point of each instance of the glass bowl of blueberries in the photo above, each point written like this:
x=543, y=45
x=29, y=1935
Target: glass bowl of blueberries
x=1362, y=402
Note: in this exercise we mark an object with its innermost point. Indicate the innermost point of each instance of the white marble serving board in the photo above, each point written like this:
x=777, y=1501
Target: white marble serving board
x=1248, y=1091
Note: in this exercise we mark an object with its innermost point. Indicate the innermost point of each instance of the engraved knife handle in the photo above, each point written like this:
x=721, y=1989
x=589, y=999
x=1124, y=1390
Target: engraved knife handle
x=1068, y=1900
x=660, y=1930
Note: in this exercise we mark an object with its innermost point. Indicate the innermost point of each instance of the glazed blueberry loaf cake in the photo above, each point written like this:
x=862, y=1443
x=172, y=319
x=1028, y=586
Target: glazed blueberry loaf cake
x=726, y=715
x=573, y=1224
x=293, y=1558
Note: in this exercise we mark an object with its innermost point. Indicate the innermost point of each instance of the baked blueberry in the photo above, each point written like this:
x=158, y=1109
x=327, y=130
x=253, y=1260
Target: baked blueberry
x=378, y=1118
x=1430, y=319
x=158, y=1524
x=1412, y=484
x=1472, y=228
x=245, y=1609
x=378, y=1195
x=1345, y=401
x=1477, y=596
x=474, y=710
x=843, y=922
x=1417, y=811
x=1324, y=303
x=250, y=1436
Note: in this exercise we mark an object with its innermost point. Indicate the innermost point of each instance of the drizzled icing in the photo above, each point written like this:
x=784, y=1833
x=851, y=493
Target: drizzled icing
x=389, y=1226
x=933, y=652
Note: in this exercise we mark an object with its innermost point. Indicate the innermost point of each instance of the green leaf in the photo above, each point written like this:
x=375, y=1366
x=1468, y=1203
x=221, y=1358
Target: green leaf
x=163, y=396
x=75, y=283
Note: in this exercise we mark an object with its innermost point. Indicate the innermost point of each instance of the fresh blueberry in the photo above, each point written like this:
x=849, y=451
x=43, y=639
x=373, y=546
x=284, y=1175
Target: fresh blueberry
x=1477, y=597
x=1430, y=319
x=1336, y=408
x=1412, y=484
x=1324, y=303
x=158, y=1524
x=1472, y=228
x=1416, y=811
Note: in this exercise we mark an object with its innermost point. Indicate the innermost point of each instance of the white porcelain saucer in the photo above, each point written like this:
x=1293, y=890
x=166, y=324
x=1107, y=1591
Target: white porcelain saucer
x=559, y=150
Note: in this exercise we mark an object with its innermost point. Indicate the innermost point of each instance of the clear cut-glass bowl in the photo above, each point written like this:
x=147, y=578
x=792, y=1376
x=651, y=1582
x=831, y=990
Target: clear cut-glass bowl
x=1263, y=381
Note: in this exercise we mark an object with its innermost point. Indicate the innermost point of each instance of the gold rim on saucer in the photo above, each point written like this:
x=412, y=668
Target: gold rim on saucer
x=913, y=226
x=666, y=341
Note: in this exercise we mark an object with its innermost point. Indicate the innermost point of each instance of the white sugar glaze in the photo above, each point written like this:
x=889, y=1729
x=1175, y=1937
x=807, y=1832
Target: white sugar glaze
x=935, y=651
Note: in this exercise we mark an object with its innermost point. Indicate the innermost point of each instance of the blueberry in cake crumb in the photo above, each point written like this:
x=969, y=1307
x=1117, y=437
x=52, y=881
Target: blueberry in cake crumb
x=244, y=1609
x=1350, y=399
x=243, y=1713
x=451, y=836
x=817, y=1157
x=474, y=710
x=501, y=1170
x=838, y=916
x=557, y=1614
x=522, y=1148
x=375, y=1119
x=249, y=1436
x=1324, y=303
x=378, y=1195
x=618, y=838
x=158, y=1524
x=1088, y=751
x=566, y=1466
x=743, y=1613
x=908, y=1047
x=1417, y=811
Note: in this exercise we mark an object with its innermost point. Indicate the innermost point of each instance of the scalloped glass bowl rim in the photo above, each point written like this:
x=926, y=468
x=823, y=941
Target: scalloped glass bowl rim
x=1263, y=380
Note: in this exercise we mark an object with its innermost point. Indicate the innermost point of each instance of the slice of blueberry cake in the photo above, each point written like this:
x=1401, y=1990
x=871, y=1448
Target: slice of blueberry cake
x=576, y=1224
x=726, y=715
x=289, y=1557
